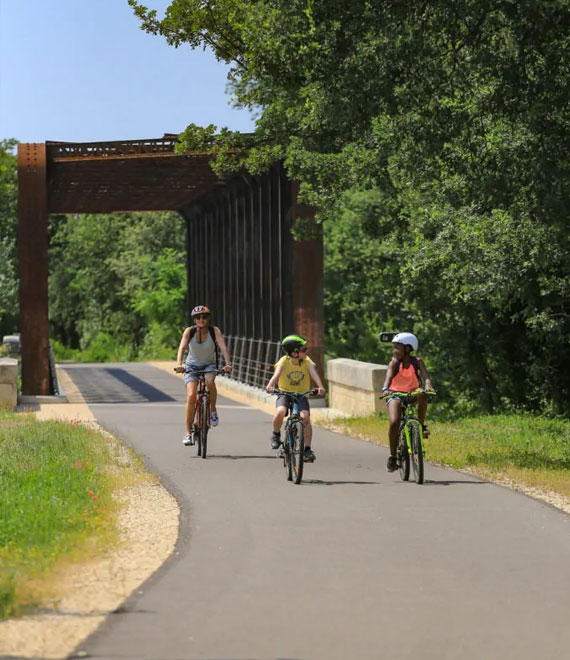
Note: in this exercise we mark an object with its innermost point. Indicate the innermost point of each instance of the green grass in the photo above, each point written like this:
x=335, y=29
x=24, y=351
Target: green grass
x=56, y=481
x=529, y=449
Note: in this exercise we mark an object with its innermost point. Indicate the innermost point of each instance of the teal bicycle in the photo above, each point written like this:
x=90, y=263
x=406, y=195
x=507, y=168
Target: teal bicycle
x=410, y=448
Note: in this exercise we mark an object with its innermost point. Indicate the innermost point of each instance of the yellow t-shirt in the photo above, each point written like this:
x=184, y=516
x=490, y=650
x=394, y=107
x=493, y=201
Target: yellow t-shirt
x=294, y=378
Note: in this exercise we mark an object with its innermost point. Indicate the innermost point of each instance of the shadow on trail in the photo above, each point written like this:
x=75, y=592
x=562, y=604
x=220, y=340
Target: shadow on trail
x=446, y=482
x=321, y=482
x=238, y=457
x=139, y=386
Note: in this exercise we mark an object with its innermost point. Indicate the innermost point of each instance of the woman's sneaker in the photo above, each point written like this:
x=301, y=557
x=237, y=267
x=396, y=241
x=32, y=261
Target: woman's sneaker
x=187, y=440
x=392, y=464
x=309, y=455
x=275, y=440
x=214, y=419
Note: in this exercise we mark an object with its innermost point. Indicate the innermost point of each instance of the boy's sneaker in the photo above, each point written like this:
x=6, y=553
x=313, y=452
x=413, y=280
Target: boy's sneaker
x=275, y=440
x=214, y=419
x=392, y=464
x=309, y=455
x=187, y=440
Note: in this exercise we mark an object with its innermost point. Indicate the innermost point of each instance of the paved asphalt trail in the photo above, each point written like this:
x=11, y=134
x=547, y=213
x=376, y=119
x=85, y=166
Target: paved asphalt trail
x=351, y=564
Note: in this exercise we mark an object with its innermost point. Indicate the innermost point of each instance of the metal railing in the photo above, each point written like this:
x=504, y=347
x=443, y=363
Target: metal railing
x=253, y=360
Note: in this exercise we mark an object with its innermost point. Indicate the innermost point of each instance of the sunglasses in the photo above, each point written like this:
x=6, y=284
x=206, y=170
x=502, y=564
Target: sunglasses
x=201, y=317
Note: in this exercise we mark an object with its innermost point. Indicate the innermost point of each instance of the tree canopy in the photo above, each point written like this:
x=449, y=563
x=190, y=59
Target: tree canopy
x=433, y=140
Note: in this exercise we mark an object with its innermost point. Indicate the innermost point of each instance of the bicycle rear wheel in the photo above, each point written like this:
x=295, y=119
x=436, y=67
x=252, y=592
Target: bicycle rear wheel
x=297, y=449
x=205, y=415
x=417, y=452
x=403, y=456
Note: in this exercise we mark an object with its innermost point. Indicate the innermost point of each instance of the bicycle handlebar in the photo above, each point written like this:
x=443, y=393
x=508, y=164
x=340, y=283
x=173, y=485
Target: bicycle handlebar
x=199, y=372
x=419, y=390
x=313, y=390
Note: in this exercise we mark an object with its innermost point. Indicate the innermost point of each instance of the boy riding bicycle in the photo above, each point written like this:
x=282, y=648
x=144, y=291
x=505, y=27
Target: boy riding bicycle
x=404, y=374
x=294, y=372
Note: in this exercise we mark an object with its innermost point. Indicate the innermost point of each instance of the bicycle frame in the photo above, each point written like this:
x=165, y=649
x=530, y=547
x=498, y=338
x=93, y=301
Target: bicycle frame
x=293, y=446
x=201, y=422
x=410, y=425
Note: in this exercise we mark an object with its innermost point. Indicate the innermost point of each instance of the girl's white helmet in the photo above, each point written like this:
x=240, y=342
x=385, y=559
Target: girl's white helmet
x=406, y=338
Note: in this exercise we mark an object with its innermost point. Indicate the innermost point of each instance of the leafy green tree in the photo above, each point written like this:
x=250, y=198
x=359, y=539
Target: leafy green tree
x=8, y=228
x=117, y=283
x=433, y=139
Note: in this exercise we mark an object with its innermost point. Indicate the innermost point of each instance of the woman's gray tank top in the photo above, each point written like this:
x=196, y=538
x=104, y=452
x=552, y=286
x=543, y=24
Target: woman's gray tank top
x=201, y=354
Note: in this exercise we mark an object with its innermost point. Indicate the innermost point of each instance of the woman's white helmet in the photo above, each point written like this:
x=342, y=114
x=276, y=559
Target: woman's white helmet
x=406, y=338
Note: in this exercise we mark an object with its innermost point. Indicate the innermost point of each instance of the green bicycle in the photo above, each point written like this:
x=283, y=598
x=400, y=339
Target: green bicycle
x=410, y=437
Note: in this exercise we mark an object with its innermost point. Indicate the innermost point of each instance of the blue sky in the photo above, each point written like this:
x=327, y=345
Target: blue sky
x=83, y=70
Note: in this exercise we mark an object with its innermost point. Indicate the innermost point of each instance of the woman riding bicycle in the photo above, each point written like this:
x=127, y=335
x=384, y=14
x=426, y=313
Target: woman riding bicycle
x=294, y=372
x=202, y=342
x=403, y=375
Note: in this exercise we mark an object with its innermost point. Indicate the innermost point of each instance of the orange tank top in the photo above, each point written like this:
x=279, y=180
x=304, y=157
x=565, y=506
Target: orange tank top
x=405, y=380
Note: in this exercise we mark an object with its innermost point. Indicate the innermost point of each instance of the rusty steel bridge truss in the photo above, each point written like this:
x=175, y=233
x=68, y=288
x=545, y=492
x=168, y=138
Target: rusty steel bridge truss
x=242, y=260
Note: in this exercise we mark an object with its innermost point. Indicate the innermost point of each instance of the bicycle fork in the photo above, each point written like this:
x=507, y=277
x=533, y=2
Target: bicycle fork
x=408, y=436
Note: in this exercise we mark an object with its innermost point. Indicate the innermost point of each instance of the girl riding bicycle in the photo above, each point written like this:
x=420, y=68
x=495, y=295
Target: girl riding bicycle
x=294, y=372
x=404, y=374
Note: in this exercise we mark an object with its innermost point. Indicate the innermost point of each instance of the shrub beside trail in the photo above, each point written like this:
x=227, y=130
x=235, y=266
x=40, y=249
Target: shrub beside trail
x=57, y=480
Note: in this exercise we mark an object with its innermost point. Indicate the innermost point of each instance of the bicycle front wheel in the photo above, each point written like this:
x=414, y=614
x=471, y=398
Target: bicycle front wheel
x=297, y=450
x=205, y=415
x=403, y=456
x=417, y=452
x=197, y=430
x=286, y=449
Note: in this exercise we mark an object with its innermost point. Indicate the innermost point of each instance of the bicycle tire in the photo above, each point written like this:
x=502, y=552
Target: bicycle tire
x=205, y=415
x=297, y=448
x=403, y=456
x=417, y=452
x=287, y=456
x=196, y=436
x=197, y=430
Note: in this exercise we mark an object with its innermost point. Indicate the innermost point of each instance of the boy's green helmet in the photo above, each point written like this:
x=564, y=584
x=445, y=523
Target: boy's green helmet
x=292, y=342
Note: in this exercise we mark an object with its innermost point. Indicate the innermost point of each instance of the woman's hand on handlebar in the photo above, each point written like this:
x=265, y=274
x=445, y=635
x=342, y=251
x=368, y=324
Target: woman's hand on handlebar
x=179, y=369
x=227, y=367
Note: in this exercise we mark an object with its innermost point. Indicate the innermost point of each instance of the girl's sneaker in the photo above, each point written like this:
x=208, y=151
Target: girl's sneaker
x=187, y=440
x=214, y=419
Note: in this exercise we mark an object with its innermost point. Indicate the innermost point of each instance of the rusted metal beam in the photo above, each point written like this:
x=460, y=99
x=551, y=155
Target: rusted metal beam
x=33, y=258
x=308, y=286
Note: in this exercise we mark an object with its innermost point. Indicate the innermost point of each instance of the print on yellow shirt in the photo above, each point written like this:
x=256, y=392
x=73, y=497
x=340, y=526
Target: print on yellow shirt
x=294, y=378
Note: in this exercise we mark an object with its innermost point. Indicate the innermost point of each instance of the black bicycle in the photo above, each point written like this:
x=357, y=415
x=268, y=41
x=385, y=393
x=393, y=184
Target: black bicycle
x=294, y=443
x=410, y=437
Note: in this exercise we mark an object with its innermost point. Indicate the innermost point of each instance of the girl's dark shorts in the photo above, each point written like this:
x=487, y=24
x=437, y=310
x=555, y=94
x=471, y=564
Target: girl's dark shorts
x=283, y=400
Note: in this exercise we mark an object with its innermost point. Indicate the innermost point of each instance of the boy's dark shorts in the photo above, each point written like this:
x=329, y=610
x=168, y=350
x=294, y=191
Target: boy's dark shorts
x=283, y=400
